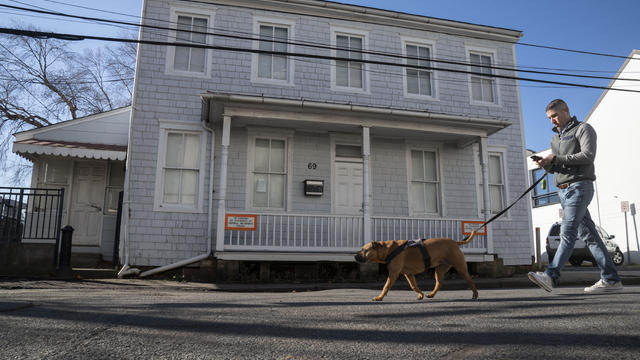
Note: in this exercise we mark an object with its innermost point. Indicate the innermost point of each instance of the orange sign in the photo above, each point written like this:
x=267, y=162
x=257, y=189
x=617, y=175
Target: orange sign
x=469, y=226
x=241, y=222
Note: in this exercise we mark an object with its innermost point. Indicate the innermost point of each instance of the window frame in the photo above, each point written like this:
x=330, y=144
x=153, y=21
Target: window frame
x=502, y=152
x=551, y=197
x=492, y=53
x=350, y=32
x=275, y=22
x=194, y=12
x=437, y=148
x=263, y=133
x=167, y=126
x=434, y=78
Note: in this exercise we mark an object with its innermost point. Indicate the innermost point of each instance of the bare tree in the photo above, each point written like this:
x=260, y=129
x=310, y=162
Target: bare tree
x=43, y=81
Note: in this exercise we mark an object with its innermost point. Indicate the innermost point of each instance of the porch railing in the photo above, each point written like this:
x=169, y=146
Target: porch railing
x=340, y=233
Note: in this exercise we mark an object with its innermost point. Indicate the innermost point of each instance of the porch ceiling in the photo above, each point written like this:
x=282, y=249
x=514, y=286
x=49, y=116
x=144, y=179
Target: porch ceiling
x=327, y=117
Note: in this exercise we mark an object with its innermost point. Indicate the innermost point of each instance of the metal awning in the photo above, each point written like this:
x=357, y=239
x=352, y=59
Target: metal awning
x=29, y=147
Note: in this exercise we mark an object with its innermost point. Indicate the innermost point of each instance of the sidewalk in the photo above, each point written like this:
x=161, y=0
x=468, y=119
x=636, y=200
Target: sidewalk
x=571, y=277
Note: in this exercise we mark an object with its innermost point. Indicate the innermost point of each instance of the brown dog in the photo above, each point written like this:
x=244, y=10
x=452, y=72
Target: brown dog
x=444, y=254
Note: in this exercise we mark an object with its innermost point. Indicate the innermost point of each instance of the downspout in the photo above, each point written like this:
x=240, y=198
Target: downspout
x=126, y=269
x=209, y=219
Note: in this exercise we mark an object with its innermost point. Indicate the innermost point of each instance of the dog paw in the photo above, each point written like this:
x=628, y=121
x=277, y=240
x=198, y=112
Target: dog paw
x=420, y=296
x=430, y=295
x=377, y=298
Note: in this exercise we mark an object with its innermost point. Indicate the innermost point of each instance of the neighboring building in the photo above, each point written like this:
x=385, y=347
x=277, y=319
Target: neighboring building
x=615, y=119
x=267, y=157
x=86, y=157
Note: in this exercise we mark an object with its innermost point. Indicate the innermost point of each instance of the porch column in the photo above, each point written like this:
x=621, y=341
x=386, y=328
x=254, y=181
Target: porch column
x=366, y=196
x=222, y=191
x=484, y=166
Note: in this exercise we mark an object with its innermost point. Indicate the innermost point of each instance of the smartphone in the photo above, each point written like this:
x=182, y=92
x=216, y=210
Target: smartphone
x=535, y=158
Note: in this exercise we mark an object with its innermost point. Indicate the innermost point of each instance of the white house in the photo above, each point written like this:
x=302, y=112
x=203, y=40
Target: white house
x=86, y=158
x=245, y=154
x=615, y=117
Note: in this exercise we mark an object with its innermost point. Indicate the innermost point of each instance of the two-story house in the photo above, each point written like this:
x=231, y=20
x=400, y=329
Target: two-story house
x=299, y=130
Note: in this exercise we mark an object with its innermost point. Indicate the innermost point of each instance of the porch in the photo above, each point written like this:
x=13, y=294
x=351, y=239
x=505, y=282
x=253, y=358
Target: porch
x=287, y=234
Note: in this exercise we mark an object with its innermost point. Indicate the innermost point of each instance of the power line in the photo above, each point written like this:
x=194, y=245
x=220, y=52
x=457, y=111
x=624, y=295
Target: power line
x=73, y=37
x=139, y=18
x=517, y=43
x=326, y=47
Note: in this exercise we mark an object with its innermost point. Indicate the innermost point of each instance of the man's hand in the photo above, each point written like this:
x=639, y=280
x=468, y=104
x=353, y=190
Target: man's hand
x=546, y=161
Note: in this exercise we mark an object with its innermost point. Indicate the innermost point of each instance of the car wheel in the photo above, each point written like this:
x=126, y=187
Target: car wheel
x=575, y=262
x=617, y=257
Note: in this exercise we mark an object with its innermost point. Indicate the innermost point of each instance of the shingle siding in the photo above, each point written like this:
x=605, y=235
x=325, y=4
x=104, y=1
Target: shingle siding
x=158, y=238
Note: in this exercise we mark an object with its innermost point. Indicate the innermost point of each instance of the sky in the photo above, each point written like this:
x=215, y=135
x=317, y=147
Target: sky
x=589, y=25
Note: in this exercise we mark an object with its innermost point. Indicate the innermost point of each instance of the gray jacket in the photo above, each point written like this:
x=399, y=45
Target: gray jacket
x=575, y=151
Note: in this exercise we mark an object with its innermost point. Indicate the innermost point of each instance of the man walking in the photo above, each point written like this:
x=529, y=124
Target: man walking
x=573, y=150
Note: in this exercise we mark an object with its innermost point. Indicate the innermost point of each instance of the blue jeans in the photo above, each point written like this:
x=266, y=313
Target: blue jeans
x=576, y=222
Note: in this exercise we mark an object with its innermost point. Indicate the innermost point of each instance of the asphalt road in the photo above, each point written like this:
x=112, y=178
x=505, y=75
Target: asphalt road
x=90, y=320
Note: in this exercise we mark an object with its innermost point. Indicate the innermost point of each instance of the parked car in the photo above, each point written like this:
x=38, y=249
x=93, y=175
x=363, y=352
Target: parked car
x=581, y=251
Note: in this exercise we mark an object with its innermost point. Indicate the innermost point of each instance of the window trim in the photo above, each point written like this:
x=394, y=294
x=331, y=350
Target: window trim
x=434, y=77
x=281, y=134
x=502, y=151
x=277, y=22
x=437, y=148
x=496, y=83
x=167, y=126
x=335, y=31
x=192, y=11
x=535, y=197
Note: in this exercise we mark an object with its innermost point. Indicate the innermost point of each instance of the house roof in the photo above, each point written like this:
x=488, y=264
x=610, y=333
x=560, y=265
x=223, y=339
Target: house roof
x=99, y=136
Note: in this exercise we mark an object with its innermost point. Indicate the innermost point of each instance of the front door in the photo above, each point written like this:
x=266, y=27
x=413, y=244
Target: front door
x=347, y=192
x=87, y=202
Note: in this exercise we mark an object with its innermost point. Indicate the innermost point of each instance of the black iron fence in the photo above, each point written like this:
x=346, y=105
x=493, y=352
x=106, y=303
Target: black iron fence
x=31, y=214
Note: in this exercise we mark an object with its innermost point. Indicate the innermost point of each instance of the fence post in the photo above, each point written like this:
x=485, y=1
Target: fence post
x=65, y=252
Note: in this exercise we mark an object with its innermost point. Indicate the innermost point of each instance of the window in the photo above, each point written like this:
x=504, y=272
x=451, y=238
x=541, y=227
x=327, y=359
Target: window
x=179, y=177
x=419, y=81
x=191, y=25
x=349, y=73
x=546, y=192
x=271, y=66
x=496, y=184
x=269, y=173
x=482, y=86
x=425, y=182
x=115, y=184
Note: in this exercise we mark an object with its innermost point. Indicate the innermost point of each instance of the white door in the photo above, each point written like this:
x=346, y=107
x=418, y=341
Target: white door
x=347, y=194
x=87, y=202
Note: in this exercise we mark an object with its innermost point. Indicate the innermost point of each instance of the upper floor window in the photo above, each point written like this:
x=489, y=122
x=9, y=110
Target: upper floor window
x=425, y=182
x=271, y=66
x=546, y=192
x=419, y=81
x=349, y=72
x=483, y=86
x=190, y=28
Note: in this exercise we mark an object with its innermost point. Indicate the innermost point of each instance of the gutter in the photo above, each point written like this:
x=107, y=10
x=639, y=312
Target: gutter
x=447, y=118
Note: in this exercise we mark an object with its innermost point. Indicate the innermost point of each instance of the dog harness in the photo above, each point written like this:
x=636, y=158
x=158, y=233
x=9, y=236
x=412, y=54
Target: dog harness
x=412, y=243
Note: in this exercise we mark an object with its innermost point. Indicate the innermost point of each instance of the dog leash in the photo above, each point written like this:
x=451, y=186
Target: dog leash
x=510, y=206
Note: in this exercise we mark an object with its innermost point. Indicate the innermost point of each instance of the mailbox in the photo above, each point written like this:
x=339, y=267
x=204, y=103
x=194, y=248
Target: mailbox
x=313, y=187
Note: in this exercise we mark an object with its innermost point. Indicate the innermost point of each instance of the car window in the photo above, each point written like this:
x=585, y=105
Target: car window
x=603, y=234
x=555, y=230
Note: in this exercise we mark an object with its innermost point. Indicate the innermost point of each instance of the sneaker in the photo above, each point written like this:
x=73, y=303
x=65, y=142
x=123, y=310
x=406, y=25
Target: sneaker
x=541, y=279
x=604, y=286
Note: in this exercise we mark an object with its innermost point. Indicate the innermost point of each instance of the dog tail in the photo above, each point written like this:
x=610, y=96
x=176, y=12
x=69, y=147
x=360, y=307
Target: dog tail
x=468, y=239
